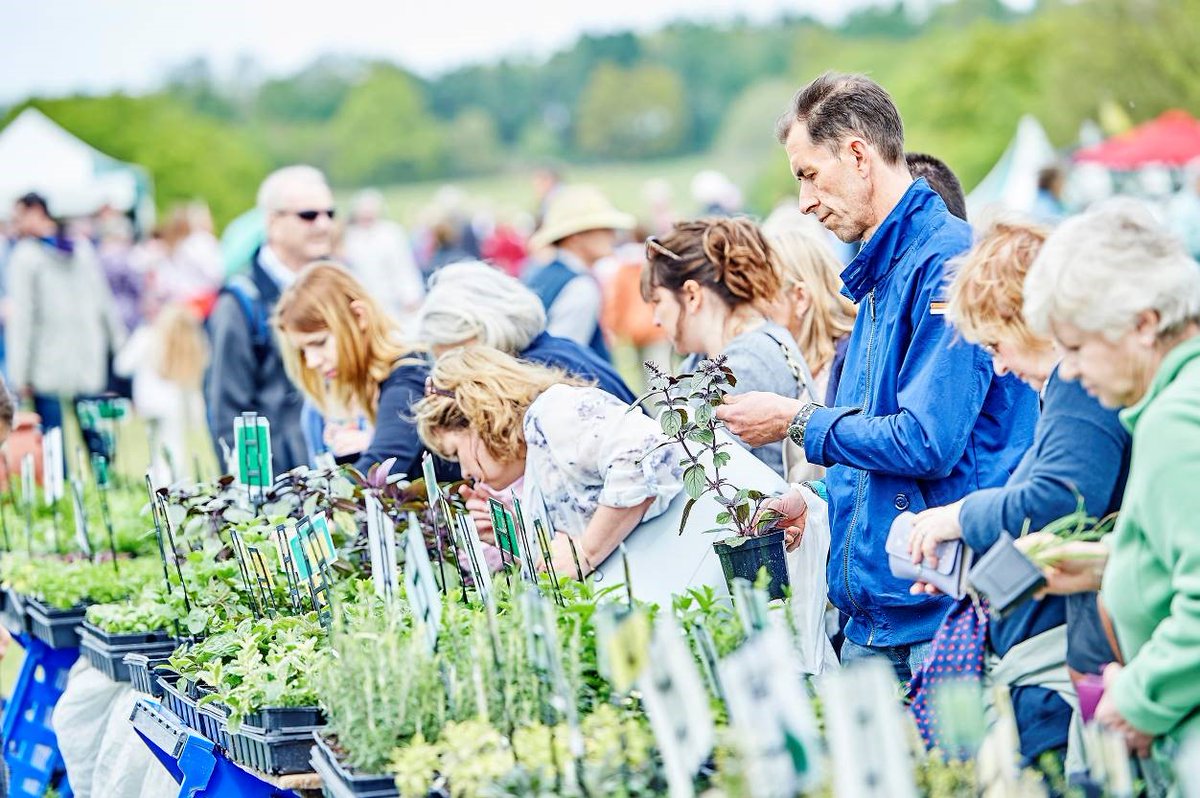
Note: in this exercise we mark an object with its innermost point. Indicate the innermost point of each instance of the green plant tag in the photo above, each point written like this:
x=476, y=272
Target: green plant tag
x=504, y=527
x=252, y=436
x=82, y=539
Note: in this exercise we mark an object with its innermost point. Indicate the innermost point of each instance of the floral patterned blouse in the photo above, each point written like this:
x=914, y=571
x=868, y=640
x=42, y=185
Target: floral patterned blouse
x=586, y=448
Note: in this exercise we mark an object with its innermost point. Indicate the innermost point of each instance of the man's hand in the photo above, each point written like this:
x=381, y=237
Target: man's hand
x=794, y=512
x=759, y=418
x=930, y=529
x=1107, y=713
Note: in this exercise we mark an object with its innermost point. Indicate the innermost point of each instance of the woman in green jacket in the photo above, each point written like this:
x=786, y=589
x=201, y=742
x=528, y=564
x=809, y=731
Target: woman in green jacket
x=1122, y=299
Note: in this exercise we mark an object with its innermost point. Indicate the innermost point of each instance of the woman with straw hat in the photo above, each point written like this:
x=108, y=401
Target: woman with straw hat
x=581, y=225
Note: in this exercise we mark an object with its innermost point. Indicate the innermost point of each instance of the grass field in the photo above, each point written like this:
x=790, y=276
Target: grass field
x=511, y=192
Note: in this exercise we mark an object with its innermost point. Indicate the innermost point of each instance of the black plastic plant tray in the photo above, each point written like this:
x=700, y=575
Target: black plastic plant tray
x=339, y=782
x=141, y=673
x=271, y=719
x=212, y=721
x=110, y=659
x=14, y=615
x=130, y=638
x=183, y=707
x=276, y=753
x=55, y=628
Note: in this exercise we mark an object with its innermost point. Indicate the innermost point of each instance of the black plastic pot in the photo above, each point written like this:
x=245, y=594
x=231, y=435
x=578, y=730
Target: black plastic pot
x=14, y=615
x=56, y=628
x=338, y=781
x=744, y=560
x=106, y=652
x=142, y=675
x=1005, y=576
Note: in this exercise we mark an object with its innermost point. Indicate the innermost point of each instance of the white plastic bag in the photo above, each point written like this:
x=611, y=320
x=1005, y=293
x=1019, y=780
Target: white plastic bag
x=810, y=588
x=124, y=759
x=79, y=721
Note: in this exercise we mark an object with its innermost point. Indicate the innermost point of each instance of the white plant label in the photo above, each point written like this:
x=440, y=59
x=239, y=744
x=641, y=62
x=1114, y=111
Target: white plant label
x=422, y=591
x=381, y=541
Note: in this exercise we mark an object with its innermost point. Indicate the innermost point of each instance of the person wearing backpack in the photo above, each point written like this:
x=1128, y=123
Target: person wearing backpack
x=246, y=372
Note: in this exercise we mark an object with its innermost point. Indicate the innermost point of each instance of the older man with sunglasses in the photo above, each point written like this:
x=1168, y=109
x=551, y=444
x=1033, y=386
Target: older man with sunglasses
x=247, y=372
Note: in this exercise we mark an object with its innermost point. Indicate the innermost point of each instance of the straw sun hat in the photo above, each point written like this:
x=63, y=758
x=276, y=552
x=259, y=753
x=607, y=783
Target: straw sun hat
x=577, y=209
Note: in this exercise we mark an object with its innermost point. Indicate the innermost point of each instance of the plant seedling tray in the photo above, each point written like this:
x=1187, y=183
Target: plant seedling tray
x=108, y=656
x=13, y=614
x=141, y=673
x=276, y=753
x=129, y=638
x=179, y=703
x=338, y=781
x=55, y=628
x=271, y=719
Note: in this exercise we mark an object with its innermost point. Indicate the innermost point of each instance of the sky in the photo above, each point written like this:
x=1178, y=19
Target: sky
x=56, y=47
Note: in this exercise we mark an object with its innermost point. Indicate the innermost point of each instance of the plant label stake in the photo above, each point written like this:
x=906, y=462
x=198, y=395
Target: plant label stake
x=265, y=580
x=623, y=643
x=100, y=476
x=166, y=525
x=522, y=531
x=706, y=651
x=252, y=439
x=866, y=732
x=312, y=551
x=27, y=488
x=544, y=544
x=52, y=478
x=6, y=498
x=479, y=567
x=283, y=536
x=381, y=540
x=776, y=729
x=82, y=539
x=242, y=556
x=505, y=529
x=158, y=536
x=438, y=504
x=419, y=585
x=542, y=649
x=677, y=705
x=751, y=605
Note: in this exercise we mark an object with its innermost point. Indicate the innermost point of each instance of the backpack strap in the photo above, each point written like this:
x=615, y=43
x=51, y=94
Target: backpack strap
x=255, y=312
x=799, y=368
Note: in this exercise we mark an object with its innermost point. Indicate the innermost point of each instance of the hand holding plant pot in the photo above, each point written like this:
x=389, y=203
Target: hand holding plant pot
x=688, y=415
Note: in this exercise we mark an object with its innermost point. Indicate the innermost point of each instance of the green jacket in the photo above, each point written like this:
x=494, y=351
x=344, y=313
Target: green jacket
x=1152, y=581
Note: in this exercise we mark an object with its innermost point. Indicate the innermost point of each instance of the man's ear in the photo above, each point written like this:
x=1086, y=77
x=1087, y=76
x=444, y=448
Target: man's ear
x=859, y=153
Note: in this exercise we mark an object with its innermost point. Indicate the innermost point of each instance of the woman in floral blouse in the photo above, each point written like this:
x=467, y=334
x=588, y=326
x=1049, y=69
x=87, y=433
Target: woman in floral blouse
x=596, y=469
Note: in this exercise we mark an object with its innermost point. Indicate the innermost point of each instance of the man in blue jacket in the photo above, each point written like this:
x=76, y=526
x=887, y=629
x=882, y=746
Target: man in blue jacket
x=920, y=418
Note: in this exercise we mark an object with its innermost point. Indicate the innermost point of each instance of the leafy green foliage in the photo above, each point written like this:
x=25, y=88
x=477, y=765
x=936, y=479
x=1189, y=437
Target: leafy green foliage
x=64, y=584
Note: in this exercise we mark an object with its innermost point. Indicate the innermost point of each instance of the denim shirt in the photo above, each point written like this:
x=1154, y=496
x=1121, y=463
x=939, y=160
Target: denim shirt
x=920, y=419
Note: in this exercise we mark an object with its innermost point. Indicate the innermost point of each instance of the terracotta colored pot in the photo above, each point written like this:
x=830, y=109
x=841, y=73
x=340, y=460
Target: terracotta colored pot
x=26, y=438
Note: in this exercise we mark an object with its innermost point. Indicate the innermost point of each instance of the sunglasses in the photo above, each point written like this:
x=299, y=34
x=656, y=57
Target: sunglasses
x=654, y=245
x=433, y=390
x=309, y=215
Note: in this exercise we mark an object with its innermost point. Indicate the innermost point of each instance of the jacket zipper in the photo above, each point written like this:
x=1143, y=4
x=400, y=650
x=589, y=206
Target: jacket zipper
x=862, y=480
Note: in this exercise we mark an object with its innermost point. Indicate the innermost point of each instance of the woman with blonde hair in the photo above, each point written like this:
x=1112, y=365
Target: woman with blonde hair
x=811, y=304
x=1080, y=454
x=708, y=281
x=344, y=352
x=596, y=469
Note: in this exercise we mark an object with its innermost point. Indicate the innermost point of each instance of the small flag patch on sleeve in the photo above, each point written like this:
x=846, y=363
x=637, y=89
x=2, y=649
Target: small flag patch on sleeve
x=937, y=308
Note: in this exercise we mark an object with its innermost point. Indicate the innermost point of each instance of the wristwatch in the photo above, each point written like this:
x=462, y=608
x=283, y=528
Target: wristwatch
x=799, y=423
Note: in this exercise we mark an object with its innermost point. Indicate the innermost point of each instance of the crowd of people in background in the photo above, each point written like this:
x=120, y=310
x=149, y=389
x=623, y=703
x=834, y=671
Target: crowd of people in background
x=891, y=355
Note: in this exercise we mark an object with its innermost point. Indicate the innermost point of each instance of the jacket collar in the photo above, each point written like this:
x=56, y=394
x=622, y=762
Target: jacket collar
x=892, y=240
x=268, y=289
x=1183, y=354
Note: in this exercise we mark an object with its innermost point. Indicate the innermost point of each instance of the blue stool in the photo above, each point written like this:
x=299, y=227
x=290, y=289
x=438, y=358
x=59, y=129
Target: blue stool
x=30, y=746
x=199, y=766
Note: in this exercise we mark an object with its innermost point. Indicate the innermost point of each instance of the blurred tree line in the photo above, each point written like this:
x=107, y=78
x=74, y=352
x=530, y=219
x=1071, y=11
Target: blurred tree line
x=962, y=75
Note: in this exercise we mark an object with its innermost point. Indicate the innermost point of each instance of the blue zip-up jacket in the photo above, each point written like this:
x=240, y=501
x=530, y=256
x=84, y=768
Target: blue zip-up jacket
x=920, y=420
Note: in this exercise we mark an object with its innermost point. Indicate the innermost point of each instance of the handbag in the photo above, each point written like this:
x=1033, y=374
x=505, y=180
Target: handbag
x=950, y=575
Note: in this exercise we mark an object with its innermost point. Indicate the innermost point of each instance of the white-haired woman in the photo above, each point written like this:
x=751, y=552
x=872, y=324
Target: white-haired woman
x=1121, y=298
x=474, y=303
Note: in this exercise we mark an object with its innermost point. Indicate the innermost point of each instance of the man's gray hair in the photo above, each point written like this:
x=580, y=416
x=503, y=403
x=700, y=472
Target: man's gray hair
x=837, y=105
x=1100, y=270
x=273, y=189
x=472, y=300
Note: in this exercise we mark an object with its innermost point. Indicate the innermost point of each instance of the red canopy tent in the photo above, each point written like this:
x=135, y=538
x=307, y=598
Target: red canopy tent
x=1172, y=139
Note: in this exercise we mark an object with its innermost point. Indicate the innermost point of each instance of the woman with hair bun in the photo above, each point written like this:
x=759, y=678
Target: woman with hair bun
x=707, y=280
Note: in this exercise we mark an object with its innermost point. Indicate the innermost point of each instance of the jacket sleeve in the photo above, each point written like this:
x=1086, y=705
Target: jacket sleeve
x=1080, y=458
x=941, y=385
x=114, y=327
x=1158, y=687
x=395, y=431
x=232, y=375
x=19, y=325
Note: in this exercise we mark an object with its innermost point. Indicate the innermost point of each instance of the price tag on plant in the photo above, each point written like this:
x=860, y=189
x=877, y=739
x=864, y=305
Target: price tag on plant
x=312, y=546
x=28, y=480
x=677, y=706
x=381, y=542
x=82, y=539
x=504, y=528
x=777, y=732
x=252, y=439
x=474, y=548
x=433, y=491
x=623, y=642
x=867, y=734
x=419, y=586
x=52, y=466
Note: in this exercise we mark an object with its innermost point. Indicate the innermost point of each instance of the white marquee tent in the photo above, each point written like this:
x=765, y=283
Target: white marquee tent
x=1012, y=183
x=75, y=178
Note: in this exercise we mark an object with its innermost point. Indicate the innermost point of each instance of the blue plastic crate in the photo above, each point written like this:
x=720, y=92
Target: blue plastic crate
x=198, y=765
x=30, y=745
